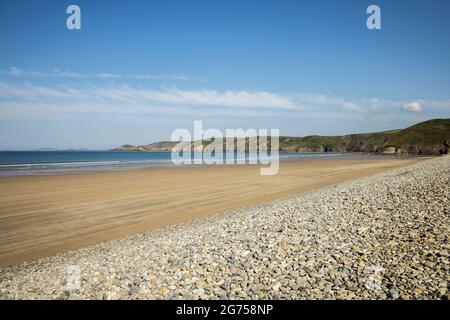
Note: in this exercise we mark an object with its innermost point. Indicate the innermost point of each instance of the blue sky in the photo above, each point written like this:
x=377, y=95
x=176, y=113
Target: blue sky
x=137, y=70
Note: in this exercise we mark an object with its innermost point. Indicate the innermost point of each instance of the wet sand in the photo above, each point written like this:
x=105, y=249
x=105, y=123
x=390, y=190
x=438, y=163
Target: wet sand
x=43, y=215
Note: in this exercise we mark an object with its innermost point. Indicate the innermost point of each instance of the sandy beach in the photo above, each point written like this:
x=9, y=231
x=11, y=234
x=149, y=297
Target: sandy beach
x=44, y=215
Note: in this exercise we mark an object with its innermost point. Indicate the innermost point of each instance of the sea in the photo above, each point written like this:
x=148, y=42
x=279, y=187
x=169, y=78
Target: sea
x=14, y=163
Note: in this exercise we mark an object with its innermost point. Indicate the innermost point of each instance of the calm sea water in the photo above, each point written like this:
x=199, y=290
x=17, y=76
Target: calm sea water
x=53, y=162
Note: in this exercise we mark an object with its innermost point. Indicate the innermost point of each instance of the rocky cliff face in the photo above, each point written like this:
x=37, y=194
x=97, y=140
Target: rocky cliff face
x=427, y=138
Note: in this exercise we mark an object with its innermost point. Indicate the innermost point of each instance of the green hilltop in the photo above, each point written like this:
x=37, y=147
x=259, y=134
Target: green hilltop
x=426, y=138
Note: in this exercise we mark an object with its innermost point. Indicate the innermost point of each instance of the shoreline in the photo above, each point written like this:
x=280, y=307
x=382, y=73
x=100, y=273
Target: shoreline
x=121, y=165
x=335, y=242
x=44, y=215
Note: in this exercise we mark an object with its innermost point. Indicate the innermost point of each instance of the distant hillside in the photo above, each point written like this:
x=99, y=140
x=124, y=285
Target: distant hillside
x=157, y=146
x=426, y=138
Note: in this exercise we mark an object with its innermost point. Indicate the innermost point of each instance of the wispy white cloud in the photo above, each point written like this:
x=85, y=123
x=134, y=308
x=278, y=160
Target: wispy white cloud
x=56, y=73
x=321, y=99
x=248, y=99
x=126, y=95
x=174, y=101
x=28, y=91
x=13, y=71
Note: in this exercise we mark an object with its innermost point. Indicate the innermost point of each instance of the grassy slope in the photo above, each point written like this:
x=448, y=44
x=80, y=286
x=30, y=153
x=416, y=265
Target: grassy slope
x=423, y=138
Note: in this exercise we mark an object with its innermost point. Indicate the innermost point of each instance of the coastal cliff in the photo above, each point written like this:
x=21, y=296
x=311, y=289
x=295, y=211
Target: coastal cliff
x=426, y=138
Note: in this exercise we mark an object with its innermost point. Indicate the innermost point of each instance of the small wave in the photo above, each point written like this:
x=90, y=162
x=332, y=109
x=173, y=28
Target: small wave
x=58, y=164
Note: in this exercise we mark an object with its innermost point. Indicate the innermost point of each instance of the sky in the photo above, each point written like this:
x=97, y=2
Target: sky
x=137, y=70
